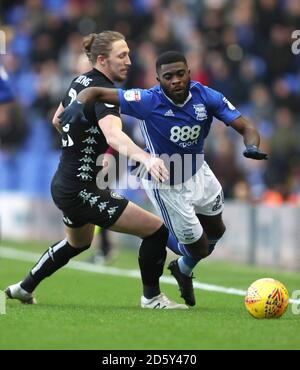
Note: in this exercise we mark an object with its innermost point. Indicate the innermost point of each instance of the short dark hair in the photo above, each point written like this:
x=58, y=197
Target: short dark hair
x=169, y=57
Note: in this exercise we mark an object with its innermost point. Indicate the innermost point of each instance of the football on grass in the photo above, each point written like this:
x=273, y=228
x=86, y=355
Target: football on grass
x=266, y=299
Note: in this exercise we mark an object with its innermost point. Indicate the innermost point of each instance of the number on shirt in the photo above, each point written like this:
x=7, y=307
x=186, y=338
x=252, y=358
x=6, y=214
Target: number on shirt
x=67, y=141
x=184, y=133
x=72, y=94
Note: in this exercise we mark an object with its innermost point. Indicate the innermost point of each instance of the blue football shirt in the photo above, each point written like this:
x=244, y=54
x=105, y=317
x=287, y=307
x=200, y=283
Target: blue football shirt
x=177, y=130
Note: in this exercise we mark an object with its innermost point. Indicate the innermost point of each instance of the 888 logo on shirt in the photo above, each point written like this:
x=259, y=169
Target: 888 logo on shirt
x=185, y=133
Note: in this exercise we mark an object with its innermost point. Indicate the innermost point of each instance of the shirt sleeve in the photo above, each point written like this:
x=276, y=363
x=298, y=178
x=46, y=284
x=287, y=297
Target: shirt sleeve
x=136, y=102
x=104, y=109
x=100, y=109
x=221, y=107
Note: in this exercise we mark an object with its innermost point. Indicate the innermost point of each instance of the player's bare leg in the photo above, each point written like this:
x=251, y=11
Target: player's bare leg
x=214, y=228
x=137, y=221
x=80, y=236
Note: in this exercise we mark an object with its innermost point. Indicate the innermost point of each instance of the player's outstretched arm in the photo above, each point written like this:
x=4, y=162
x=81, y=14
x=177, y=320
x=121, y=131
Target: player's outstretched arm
x=75, y=112
x=111, y=127
x=251, y=138
x=103, y=94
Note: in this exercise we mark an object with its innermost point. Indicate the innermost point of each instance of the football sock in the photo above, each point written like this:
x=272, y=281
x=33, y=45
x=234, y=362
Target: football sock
x=176, y=247
x=186, y=264
x=105, y=246
x=152, y=256
x=53, y=259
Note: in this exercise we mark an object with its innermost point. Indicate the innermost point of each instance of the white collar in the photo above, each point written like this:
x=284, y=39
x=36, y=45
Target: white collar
x=178, y=105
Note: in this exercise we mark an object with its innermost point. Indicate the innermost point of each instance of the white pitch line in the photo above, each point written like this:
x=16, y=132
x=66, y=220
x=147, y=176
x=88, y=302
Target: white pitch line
x=20, y=255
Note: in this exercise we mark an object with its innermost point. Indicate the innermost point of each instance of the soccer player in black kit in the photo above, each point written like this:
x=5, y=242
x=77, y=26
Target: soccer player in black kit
x=74, y=188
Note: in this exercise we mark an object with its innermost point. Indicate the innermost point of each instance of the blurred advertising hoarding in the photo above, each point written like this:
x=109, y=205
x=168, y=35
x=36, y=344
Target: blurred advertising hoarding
x=261, y=235
x=24, y=218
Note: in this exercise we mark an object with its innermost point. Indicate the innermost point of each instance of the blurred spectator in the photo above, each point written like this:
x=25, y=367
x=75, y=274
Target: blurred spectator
x=284, y=96
x=241, y=192
x=284, y=147
x=12, y=125
x=218, y=154
x=262, y=106
x=272, y=197
x=278, y=52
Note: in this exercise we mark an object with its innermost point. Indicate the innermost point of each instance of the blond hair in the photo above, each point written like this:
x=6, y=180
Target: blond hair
x=96, y=44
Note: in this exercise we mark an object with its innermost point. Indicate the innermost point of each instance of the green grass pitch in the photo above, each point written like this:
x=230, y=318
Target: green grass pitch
x=85, y=310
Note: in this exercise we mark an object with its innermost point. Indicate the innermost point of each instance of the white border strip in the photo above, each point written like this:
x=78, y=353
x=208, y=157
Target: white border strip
x=20, y=255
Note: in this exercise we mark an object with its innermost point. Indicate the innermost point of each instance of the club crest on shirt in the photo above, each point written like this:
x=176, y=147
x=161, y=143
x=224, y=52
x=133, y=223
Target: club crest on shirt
x=200, y=111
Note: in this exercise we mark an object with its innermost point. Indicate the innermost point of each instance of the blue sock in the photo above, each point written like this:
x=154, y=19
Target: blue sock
x=187, y=264
x=176, y=247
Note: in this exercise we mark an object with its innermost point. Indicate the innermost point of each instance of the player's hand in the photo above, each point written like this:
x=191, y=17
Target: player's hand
x=72, y=113
x=253, y=152
x=157, y=169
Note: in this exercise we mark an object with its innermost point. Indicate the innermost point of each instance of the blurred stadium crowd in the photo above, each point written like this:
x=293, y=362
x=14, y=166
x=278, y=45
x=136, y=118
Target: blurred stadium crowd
x=241, y=48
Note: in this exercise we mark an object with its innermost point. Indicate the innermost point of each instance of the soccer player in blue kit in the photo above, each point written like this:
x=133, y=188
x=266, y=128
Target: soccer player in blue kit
x=176, y=117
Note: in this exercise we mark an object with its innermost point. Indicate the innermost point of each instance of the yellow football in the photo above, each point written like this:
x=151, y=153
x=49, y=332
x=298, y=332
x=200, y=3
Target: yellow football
x=266, y=298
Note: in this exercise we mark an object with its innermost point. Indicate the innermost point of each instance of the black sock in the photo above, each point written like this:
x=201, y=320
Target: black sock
x=152, y=256
x=105, y=247
x=53, y=259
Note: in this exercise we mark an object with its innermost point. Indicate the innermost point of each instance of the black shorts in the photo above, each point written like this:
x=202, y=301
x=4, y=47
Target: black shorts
x=85, y=203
